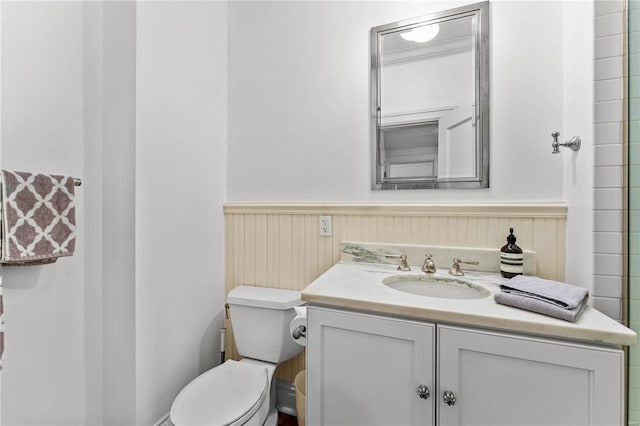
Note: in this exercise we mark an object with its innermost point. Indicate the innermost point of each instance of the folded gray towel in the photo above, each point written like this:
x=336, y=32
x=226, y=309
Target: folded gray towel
x=563, y=295
x=541, y=307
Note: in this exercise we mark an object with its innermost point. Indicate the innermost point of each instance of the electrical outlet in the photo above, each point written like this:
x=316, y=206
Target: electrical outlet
x=325, y=226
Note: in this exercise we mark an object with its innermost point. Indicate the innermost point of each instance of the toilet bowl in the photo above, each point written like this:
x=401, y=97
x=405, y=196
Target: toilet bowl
x=233, y=393
x=243, y=392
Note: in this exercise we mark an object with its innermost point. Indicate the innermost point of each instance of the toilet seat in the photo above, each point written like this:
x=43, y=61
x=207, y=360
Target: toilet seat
x=225, y=395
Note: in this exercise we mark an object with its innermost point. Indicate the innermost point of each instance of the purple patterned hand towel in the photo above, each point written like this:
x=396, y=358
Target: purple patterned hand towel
x=38, y=218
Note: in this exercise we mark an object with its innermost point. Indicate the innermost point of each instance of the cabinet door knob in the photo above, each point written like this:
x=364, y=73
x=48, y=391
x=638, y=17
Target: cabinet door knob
x=423, y=392
x=449, y=398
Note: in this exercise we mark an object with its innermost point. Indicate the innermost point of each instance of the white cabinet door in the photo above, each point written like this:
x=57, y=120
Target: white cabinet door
x=500, y=379
x=366, y=369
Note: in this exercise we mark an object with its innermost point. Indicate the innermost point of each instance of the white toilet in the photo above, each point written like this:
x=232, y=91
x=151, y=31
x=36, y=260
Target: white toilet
x=243, y=392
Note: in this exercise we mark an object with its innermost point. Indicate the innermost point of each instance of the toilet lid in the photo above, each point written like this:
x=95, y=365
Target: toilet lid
x=225, y=395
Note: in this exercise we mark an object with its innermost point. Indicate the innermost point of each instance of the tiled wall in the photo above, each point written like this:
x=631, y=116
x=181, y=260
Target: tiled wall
x=279, y=245
x=634, y=204
x=609, y=85
x=617, y=127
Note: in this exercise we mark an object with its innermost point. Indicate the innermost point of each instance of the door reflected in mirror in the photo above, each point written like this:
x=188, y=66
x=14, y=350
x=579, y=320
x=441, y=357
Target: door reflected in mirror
x=430, y=101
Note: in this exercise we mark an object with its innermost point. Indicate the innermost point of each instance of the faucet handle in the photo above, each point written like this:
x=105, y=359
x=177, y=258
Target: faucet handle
x=429, y=266
x=404, y=265
x=455, y=268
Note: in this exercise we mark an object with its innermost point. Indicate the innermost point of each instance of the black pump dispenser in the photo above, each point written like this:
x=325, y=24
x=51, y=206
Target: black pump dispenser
x=511, y=257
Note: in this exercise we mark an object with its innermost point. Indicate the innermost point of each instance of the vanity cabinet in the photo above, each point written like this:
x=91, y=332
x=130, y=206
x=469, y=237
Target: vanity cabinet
x=366, y=369
x=504, y=379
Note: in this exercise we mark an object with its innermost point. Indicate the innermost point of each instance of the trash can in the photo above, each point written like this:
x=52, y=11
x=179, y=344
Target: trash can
x=301, y=395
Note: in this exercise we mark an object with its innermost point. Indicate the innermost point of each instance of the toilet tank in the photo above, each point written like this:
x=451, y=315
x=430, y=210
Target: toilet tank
x=260, y=318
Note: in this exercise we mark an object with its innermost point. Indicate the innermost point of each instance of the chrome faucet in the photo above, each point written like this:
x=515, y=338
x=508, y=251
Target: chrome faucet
x=455, y=268
x=429, y=266
x=404, y=265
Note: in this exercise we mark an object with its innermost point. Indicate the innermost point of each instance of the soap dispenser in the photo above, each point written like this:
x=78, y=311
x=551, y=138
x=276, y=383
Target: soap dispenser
x=511, y=258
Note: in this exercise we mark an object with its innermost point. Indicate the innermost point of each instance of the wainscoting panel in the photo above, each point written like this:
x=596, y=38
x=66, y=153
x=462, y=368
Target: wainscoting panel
x=279, y=245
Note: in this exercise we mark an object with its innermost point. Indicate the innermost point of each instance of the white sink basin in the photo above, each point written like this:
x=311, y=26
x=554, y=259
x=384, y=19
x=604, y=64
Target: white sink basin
x=431, y=286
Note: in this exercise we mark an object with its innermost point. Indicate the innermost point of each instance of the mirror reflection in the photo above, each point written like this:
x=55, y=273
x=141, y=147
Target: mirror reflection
x=429, y=114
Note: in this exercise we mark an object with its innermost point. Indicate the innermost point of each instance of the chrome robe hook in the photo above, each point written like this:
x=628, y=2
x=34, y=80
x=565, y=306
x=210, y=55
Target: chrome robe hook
x=574, y=143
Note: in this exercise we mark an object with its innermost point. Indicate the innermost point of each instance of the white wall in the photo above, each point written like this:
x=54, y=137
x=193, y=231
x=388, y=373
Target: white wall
x=297, y=104
x=298, y=110
x=132, y=99
x=431, y=83
x=92, y=195
x=43, y=380
x=117, y=179
x=577, y=100
x=180, y=188
x=299, y=101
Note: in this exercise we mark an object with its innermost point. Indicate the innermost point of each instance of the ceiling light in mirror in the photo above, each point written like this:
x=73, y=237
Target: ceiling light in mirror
x=422, y=34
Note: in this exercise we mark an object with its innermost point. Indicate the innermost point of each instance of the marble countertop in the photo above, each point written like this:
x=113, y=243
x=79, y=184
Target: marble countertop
x=357, y=285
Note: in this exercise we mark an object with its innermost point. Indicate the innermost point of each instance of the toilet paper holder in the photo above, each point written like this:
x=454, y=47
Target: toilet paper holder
x=300, y=331
x=298, y=326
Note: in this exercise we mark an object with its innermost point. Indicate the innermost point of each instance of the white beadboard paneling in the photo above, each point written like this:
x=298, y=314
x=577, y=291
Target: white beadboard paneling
x=608, y=90
x=607, y=264
x=607, y=286
x=607, y=199
x=607, y=133
x=608, y=177
x=606, y=47
x=609, y=111
x=278, y=245
x=607, y=221
x=607, y=68
x=610, y=24
x=607, y=7
x=608, y=242
x=608, y=155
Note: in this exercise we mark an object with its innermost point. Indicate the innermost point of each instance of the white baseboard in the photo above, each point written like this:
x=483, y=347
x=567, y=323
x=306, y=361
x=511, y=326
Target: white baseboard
x=164, y=421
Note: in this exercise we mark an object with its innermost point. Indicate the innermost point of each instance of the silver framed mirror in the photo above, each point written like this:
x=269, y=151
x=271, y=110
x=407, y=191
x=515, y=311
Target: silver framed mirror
x=430, y=101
